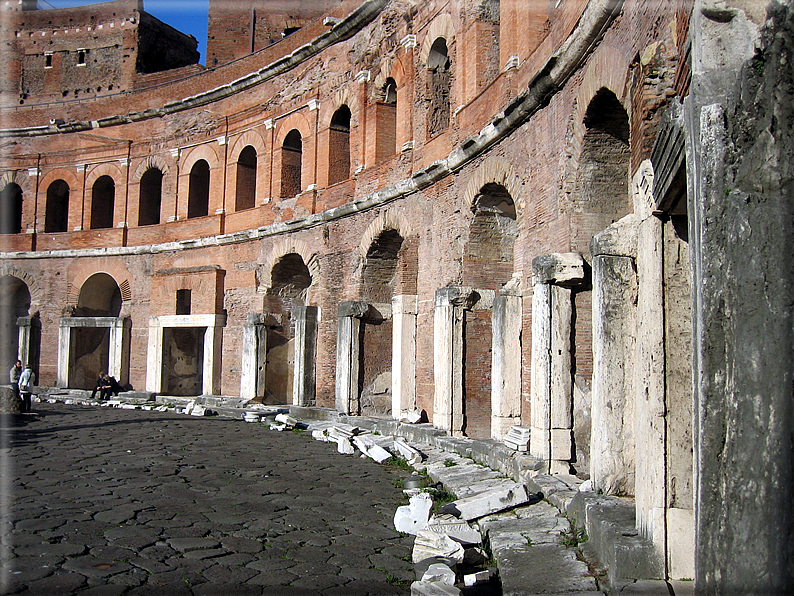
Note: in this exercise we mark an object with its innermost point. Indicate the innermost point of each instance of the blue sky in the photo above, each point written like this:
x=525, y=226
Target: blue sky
x=189, y=16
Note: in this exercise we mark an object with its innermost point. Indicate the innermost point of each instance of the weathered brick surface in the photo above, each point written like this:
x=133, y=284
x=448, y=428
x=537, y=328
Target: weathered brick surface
x=546, y=168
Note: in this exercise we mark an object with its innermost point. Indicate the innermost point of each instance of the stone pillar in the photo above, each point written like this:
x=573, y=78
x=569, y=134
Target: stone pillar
x=448, y=356
x=303, y=385
x=119, y=350
x=403, y=354
x=739, y=181
x=552, y=382
x=154, y=357
x=348, y=356
x=29, y=340
x=64, y=352
x=506, y=363
x=253, y=368
x=614, y=344
x=213, y=351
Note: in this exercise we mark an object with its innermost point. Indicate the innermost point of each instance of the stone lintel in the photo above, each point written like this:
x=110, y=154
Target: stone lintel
x=456, y=296
x=29, y=321
x=563, y=269
x=353, y=308
x=618, y=239
x=95, y=322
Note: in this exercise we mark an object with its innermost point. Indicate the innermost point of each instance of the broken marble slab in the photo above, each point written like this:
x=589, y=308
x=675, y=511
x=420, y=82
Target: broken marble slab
x=411, y=416
x=413, y=517
x=517, y=438
x=425, y=564
x=370, y=448
x=287, y=420
x=491, y=501
x=438, y=572
x=457, y=529
x=421, y=588
x=431, y=544
x=408, y=453
x=481, y=577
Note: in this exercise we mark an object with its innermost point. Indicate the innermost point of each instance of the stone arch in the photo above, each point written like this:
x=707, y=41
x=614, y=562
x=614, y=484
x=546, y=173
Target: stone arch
x=83, y=270
x=67, y=175
x=33, y=283
x=15, y=302
x=392, y=68
x=297, y=121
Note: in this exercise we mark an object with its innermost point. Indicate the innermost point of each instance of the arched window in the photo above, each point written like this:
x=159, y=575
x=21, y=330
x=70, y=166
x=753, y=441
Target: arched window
x=151, y=194
x=386, y=122
x=246, y=179
x=103, y=199
x=291, y=158
x=56, y=216
x=11, y=209
x=339, y=146
x=198, y=201
x=439, y=85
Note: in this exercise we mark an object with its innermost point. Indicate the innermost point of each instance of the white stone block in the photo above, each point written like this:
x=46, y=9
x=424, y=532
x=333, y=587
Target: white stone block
x=286, y=420
x=438, y=572
x=320, y=435
x=488, y=502
x=431, y=544
x=413, y=517
x=410, y=416
x=433, y=589
x=345, y=446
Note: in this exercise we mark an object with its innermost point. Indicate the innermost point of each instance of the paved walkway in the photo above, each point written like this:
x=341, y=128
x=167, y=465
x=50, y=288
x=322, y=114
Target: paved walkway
x=105, y=501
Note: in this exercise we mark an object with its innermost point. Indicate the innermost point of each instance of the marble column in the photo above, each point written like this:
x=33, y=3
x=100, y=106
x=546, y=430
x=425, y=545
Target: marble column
x=303, y=383
x=403, y=370
x=348, y=356
x=506, y=363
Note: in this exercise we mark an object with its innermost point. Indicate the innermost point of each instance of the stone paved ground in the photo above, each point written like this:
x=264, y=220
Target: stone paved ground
x=103, y=502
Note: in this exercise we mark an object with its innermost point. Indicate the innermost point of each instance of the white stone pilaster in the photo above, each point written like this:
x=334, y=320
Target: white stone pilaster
x=403, y=370
x=348, y=356
x=303, y=383
x=506, y=365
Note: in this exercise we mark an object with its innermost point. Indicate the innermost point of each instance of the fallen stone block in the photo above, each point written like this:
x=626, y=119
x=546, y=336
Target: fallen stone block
x=408, y=453
x=201, y=411
x=320, y=435
x=518, y=438
x=278, y=426
x=189, y=407
x=431, y=544
x=413, y=517
x=457, y=529
x=481, y=577
x=345, y=446
x=485, y=503
x=438, y=572
x=421, y=588
x=286, y=420
x=370, y=448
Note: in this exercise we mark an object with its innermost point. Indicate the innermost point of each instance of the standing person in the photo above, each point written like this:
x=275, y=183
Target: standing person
x=16, y=370
x=26, y=381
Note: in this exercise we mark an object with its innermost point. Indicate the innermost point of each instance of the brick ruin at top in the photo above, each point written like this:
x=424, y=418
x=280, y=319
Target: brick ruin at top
x=574, y=215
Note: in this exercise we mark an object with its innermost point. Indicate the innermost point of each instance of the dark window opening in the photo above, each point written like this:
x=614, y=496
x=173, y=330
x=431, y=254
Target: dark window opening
x=103, y=200
x=198, y=202
x=183, y=300
x=339, y=146
x=386, y=122
x=56, y=216
x=439, y=83
x=291, y=159
x=81, y=57
x=11, y=209
x=47, y=60
x=151, y=193
x=246, y=179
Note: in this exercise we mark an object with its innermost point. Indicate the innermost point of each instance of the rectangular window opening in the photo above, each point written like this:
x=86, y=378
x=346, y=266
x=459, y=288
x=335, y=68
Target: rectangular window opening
x=183, y=302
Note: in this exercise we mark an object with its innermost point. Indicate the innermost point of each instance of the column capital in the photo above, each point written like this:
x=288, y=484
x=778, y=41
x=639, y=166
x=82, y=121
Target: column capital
x=562, y=269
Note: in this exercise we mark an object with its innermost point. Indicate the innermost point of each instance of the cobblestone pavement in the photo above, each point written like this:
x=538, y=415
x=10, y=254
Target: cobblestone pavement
x=104, y=502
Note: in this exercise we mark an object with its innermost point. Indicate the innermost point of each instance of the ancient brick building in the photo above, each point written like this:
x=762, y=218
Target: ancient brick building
x=496, y=212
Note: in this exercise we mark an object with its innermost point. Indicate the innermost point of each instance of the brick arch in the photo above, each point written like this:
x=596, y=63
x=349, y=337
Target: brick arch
x=105, y=169
x=34, y=283
x=441, y=26
x=393, y=68
x=152, y=161
x=296, y=121
x=249, y=137
x=285, y=247
x=206, y=152
x=496, y=170
x=609, y=69
x=341, y=97
x=79, y=273
x=389, y=220
x=60, y=174
x=20, y=178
